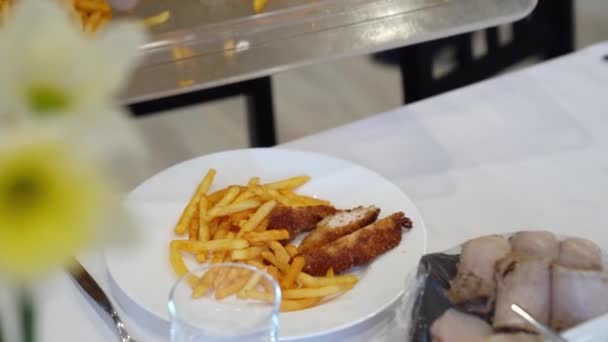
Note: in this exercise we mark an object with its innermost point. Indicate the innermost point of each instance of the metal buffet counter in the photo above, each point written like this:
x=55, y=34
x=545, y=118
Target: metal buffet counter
x=202, y=44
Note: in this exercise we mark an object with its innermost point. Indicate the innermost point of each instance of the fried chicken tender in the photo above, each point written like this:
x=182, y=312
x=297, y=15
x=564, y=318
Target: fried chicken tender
x=338, y=225
x=298, y=220
x=357, y=248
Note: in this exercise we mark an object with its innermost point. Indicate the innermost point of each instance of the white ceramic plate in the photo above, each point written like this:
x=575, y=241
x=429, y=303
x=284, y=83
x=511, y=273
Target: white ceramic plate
x=144, y=274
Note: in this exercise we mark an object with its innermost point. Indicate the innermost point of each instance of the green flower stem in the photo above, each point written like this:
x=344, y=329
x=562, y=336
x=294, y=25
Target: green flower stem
x=26, y=314
x=1, y=331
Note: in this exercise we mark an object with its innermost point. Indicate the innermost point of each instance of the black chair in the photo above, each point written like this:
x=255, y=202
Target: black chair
x=546, y=33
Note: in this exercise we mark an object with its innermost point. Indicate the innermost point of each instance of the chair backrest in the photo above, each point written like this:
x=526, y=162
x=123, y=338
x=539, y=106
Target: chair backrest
x=548, y=32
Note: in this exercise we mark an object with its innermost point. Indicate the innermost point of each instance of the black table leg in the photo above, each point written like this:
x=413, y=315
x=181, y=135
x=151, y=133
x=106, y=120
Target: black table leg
x=260, y=113
x=259, y=106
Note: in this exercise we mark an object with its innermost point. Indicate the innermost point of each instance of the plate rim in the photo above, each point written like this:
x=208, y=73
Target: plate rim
x=420, y=223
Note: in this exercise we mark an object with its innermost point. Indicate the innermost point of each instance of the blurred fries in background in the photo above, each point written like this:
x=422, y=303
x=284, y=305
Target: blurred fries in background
x=258, y=5
x=230, y=225
x=5, y=7
x=92, y=15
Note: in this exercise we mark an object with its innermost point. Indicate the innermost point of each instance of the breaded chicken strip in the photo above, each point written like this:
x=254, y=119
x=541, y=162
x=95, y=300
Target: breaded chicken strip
x=359, y=247
x=298, y=220
x=338, y=225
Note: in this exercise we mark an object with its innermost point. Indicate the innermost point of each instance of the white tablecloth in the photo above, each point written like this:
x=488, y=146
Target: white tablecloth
x=528, y=150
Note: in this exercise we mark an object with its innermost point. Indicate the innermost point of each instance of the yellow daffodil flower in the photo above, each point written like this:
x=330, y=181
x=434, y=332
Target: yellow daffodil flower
x=49, y=68
x=50, y=204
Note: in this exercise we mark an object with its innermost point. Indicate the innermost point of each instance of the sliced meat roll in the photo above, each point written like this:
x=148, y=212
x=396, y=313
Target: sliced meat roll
x=580, y=253
x=577, y=296
x=539, y=244
x=455, y=326
x=527, y=283
x=475, y=278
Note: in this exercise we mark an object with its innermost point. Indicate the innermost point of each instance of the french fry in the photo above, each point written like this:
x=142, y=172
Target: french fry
x=193, y=228
x=280, y=252
x=252, y=282
x=204, y=232
x=200, y=290
x=261, y=213
x=93, y=22
x=253, y=181
x=274, y=272
x=238, y=218
x=234, y=287
x=257, y=264
x=176, y=258
x=288, y=305
x=230, y=195
x=213, y=227
x=220, y=275
x=221, y=245
x=303, y=200
x=188, y=245
x=202, y=257
x=262, y=226
x=289, y=183
x=233, y=208
x=261, y=192
x=269, y=235
x=225, y=225
x=188, y=212
x=102, y=22
x=216, y=196
x=4, y=11
x=247, y=253
x=268, y=256
x=245, y=195
x=281, y=199
x=325, y=291
x=158, y=19
x=93, y=6
x=292, y=250
x=257, y=295
x=220, y=234
x=204, y=284
x=225, y=277
x=317, y=282
x=296, y=267
x=218, y=257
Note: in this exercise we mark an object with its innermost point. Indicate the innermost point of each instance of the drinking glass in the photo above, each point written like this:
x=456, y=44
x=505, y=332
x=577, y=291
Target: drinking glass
x=225, y=302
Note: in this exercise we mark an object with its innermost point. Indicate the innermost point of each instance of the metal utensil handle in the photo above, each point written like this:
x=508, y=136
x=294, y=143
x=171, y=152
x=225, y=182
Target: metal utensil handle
x=121, y=328
x=90, y=286
x=542, y=329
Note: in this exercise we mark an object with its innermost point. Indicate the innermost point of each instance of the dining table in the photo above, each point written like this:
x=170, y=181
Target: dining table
x=524, y=150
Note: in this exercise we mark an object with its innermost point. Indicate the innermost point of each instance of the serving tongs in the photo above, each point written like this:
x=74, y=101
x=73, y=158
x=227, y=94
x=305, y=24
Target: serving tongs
x=542, y=329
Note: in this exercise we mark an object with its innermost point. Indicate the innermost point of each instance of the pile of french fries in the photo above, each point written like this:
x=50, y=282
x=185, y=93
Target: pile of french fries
x=258, y=5
x=92, y=15
x=5, y=7
x=230, y=225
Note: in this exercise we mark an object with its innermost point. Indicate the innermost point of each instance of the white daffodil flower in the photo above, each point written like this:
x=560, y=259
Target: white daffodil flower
x=49, y=69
